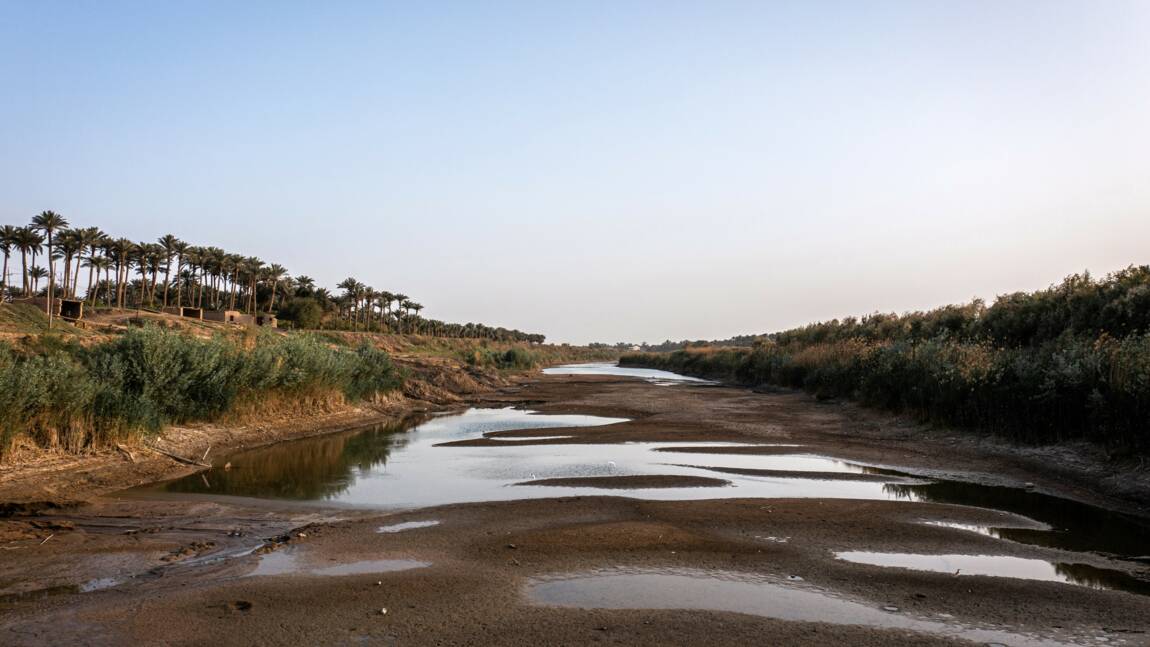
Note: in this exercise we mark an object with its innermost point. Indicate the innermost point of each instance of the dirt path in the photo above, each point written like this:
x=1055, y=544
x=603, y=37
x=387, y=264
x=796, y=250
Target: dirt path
x=182, y=572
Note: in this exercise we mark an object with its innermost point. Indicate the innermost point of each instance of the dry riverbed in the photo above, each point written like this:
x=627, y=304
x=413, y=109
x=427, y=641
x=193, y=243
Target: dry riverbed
x=611, y=564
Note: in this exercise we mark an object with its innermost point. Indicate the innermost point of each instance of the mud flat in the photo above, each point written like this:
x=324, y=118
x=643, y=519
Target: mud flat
x=738, y=518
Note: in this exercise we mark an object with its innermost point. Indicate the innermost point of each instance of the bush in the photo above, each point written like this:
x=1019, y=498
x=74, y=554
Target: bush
x=304, y=312
x=151, y=377
x=1068, y=362
x=512, y=358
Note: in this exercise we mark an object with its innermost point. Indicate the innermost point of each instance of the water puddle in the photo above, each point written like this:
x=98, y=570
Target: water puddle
x=655, y=376
x=286, y=562
x=749, y=594
x=527, y=438
x=407, y=525
x=99, y=584
x=1003, y=566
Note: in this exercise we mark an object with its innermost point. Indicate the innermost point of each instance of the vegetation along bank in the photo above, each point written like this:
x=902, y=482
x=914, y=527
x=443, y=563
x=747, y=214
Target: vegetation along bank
x=1071, y=362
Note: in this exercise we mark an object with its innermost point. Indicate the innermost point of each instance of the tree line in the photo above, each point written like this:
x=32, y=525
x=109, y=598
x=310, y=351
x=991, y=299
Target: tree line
x=121, y=273
x=1070, y=362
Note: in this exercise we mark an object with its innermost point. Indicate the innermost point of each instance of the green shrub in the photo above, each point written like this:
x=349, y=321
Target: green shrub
x=513, y=358
x=150, y=377
x=305, y=313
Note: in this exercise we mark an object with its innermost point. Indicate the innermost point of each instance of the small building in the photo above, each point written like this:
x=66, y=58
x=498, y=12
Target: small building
x=71, y=309
x=190, y=313
x=238, y=318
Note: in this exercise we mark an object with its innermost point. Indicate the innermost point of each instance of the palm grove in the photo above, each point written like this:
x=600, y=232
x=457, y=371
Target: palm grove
x=121, y=273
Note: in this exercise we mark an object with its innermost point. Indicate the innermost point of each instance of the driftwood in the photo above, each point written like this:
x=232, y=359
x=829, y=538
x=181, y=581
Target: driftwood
x=179, y=458
x=125, y=452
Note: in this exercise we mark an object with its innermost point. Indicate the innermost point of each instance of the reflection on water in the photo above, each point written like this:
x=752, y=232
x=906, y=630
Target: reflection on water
x=1003, y=566
x=393, y=467
x=1073, y=525
x=655, y=376
x=311, y=469
x=743, y=593
x=287, y=562
x=407, y=466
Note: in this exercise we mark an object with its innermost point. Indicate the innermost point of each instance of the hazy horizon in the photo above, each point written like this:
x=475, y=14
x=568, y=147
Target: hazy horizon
x=626, y=172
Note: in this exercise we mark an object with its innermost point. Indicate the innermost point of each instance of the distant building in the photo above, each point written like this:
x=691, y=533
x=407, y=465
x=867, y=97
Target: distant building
x=262, y=320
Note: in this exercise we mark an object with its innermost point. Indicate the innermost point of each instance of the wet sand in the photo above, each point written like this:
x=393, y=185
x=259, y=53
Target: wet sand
x=180, y=571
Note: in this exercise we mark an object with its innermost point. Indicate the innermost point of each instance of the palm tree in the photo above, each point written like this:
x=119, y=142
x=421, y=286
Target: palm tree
x=416, y=307
x=121, y=251
x=234, y=265
x=351, y=287
x=254, y=267
x=50, y=222
x=400, y=299
x=9, y=238
x=179, y=248
x=170, y=244
x=275, y=274
x=304, y=285
x=95, y=264
x=70, y=244
x=93, y=241
x=36, y=273
x=28, y=242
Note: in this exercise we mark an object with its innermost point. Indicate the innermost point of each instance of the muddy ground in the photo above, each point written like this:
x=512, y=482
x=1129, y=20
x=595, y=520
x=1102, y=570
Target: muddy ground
x=179, y=571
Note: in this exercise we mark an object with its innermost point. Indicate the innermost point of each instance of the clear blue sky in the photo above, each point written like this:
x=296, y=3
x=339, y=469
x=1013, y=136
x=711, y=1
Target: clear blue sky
x=599, y=170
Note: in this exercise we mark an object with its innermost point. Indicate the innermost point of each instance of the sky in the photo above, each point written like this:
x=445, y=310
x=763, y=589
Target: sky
x=599, y=171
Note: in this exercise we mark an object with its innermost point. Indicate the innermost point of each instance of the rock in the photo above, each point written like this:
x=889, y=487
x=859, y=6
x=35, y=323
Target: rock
x=891, y=609
x=383, y=611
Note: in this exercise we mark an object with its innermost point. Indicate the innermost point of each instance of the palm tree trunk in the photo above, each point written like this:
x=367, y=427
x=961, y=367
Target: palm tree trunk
x=67, y=273
x=120, y=285
x=76, y=278
x=179, y=282
x=91, y=298
x=51, y=278
x=24, y=266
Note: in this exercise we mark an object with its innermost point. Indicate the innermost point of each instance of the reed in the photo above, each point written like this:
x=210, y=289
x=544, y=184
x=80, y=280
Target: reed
x=75, y=397
x=1068, y=363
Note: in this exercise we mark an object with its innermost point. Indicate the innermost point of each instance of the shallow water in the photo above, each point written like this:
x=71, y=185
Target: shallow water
x=400, y=467
x=1001, y=566
x=1065, y=523
x=390, y=468
x=744, y=593
x=287, y=562
x=407, y=525
x=661, y=378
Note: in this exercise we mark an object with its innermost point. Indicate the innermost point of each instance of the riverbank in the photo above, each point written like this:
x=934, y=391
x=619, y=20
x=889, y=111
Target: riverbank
x=32, y=474
x=1086, y=468
x=324, y=573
